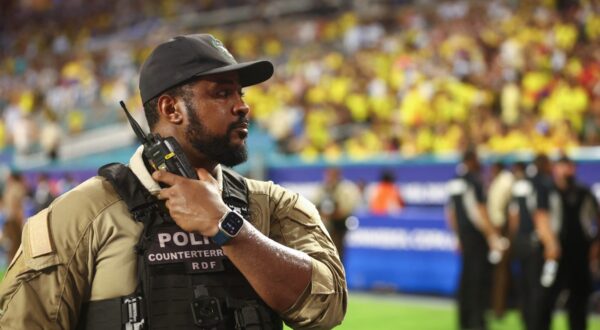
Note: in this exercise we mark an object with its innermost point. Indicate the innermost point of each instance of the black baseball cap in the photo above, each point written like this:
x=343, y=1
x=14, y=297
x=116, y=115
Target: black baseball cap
x=183, y=58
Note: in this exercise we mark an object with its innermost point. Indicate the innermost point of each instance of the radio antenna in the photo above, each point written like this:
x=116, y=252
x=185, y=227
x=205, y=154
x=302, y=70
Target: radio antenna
x=139, y=132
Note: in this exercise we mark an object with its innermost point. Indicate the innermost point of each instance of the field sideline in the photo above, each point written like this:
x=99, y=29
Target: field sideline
x=393, y=312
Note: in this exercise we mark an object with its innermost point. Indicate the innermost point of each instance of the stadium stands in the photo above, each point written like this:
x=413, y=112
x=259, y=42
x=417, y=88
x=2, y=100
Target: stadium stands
x=404, y=79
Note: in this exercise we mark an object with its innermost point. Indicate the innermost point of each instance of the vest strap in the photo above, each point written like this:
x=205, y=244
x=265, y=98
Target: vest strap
x=128, y=187
x=116, y=313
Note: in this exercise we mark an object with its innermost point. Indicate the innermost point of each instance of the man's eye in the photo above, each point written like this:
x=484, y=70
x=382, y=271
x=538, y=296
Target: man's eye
x=223, y=93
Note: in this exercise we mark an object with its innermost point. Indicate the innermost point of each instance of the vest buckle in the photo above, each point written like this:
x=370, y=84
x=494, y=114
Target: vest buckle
x=249, y=316
x=131, y=313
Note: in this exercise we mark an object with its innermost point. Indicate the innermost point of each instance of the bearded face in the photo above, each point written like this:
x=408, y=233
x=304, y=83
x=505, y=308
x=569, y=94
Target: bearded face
x=216, y=147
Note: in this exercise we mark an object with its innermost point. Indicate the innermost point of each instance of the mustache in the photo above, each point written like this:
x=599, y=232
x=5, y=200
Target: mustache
x=241, y=122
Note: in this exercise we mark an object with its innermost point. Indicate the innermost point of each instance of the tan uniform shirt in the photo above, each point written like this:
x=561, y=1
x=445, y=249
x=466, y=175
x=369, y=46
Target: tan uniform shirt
x=81, y=248
x=499, y=197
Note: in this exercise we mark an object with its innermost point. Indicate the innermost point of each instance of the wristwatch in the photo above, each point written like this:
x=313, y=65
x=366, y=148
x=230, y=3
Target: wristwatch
x=229, y=227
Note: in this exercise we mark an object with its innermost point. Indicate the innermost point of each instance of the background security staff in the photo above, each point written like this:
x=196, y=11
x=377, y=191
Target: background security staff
x=524, y=240
x=546, y=248
x=336, y=201
x=499, y=196
x=577, y=231
x=467, y=216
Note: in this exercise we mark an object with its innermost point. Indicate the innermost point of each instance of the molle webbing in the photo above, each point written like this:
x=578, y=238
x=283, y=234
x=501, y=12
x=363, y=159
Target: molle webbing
x=173, y=297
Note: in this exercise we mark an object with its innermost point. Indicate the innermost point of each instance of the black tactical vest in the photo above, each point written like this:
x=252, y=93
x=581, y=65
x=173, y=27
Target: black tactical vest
x=184, y=280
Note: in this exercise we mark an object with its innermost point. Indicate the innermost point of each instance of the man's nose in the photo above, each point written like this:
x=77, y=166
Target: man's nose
x=241, y=108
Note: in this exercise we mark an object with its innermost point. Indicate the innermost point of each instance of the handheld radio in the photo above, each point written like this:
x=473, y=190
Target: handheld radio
x=162, y=153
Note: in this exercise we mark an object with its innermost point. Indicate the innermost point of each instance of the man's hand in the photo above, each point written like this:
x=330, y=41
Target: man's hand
x=551, y=251
x=541, y=219
x=195, y=205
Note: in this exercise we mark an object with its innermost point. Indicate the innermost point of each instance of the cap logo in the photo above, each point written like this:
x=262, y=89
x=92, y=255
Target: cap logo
x=219, y=46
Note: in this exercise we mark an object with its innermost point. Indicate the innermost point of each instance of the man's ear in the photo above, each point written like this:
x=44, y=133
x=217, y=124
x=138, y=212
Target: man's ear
x=169, y=109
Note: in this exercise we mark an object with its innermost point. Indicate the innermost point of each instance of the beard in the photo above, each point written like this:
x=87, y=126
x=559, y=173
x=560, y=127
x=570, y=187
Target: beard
x=215, y=147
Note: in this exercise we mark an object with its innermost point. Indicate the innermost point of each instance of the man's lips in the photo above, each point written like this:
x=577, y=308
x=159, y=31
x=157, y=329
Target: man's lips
x=243, y=125
x=241, y=128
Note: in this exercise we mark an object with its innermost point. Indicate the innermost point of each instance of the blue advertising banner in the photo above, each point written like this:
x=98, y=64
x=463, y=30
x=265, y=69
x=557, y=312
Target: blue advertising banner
x=411, y=252
x=421, y=183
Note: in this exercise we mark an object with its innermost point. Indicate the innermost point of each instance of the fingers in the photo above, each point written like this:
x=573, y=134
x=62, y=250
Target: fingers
x=181, y=185
x=171, y=179
x=166, y=177
x=163, y=194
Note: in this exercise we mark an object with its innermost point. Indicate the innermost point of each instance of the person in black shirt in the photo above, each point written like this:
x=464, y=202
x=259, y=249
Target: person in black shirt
x=533, y=214
x=577, y=231
x=524, y=240
x=467, y=215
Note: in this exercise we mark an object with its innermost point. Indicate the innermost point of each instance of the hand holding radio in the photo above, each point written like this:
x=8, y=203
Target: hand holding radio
x=182, y=184
x=195, y=205
x=162, y=153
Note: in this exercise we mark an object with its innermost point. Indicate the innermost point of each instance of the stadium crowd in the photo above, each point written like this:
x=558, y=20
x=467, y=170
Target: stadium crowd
x=398, y=79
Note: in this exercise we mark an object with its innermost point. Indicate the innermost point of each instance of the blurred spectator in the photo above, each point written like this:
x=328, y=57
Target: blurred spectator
x=386, y=198
x=42, y=195
x=24, y=133
x=66, y=183
x=15, y=192
x=14, y=195
x=336, y=201
x=50, y=136
x=363, y=204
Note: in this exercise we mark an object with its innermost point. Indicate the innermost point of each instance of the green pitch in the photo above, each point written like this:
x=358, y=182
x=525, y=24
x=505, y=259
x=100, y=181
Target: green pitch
x=393, y=313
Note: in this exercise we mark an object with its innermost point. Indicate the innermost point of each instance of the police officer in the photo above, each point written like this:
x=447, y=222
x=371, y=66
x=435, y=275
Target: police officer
x=467, y=215
x=138, y=248
x=576, y=232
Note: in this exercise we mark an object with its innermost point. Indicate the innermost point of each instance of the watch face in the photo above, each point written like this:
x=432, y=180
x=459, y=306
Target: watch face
x=232, y=223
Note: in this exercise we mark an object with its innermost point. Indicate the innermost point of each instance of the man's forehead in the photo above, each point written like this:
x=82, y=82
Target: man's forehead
x=226, y=78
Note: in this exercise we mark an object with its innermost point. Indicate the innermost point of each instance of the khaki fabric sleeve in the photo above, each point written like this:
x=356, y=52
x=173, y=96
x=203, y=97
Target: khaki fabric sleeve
x=50, y=278
x=32, y=290
x=295, y=222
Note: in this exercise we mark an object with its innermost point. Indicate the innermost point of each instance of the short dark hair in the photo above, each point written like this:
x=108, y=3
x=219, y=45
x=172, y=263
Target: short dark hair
x=564, y=159
x=499, y=165
x=541, y=160
x=542, y=163
x=519, y=166
x=151, y=107
x=470, y=155
x=387, y=176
